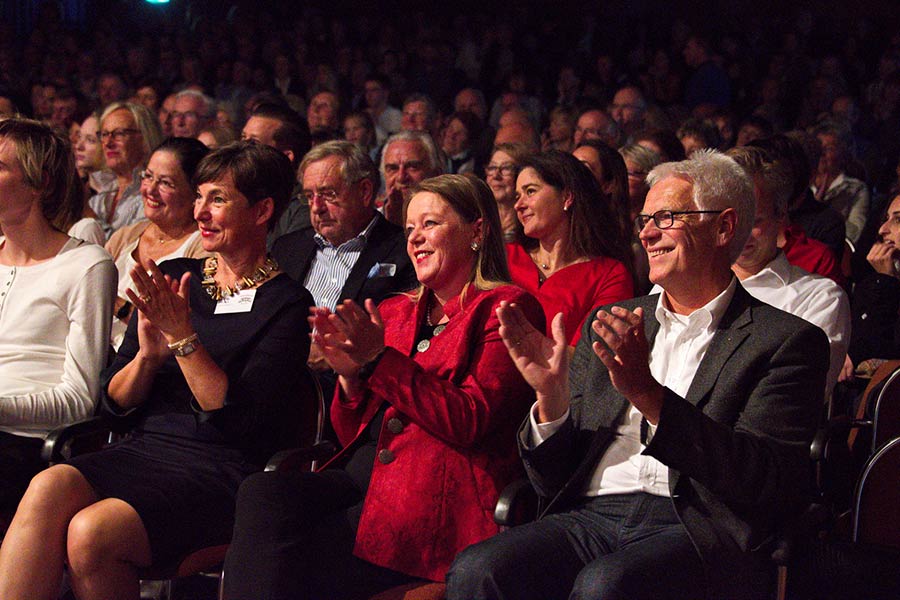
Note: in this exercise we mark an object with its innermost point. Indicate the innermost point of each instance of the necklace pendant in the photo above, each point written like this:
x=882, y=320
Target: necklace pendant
x=423, y=345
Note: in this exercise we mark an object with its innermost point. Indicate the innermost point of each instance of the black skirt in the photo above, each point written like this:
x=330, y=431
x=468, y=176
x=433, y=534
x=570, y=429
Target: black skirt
x=182, y=489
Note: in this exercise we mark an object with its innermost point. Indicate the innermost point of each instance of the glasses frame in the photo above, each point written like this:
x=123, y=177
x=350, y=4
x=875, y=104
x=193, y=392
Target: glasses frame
x=164, y=185
x=506, y=169
x=668, y=216
x=327, y=196
x=117, y=134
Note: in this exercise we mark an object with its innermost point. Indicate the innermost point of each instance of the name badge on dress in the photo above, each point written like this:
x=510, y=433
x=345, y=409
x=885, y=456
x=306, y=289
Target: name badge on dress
x=241, y=302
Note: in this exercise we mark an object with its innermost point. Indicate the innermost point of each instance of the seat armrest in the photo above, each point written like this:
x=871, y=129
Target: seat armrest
x=811, y=520
x=518, y=503
x=58, y=441
x=301, y=458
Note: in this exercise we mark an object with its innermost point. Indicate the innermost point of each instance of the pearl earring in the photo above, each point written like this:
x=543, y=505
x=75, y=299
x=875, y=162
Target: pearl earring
x=474, y=246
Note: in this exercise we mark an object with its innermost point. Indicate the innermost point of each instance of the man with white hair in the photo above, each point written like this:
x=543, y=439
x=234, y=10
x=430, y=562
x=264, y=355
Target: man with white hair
x=679, y=438
x=408, y=158
x=191, y=113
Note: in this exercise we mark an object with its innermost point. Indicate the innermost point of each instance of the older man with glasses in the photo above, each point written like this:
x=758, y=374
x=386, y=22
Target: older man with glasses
x=351, y=251
x=679, y=439
x=191, y=113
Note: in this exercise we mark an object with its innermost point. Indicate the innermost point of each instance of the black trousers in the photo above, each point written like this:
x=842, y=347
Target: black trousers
x=293, y=540
x=628, y=546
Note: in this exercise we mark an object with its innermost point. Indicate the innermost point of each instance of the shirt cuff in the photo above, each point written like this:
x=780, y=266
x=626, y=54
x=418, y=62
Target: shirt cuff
x=537, y=433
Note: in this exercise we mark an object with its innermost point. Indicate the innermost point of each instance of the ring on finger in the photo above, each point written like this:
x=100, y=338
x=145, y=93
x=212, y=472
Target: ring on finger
x=145, y=298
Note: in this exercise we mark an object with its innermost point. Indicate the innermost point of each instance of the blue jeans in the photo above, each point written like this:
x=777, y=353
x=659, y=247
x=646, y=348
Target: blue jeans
x=610, y=547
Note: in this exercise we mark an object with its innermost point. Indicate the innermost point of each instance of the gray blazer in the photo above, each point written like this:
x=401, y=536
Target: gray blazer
x=737, y=446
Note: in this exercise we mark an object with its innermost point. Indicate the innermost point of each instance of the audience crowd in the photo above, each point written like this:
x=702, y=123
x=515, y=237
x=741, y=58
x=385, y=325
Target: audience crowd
x=440, y=189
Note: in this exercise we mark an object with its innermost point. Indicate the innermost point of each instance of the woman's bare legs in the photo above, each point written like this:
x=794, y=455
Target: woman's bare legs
x=107, y=543
x=34, y=549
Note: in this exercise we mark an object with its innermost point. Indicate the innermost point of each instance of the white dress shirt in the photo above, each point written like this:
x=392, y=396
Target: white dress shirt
x=678, y=348
x=816, y=299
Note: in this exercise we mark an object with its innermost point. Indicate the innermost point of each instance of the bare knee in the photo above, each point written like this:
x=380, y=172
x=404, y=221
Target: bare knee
x=60, y=492
x=85, y=543
x=105, y=532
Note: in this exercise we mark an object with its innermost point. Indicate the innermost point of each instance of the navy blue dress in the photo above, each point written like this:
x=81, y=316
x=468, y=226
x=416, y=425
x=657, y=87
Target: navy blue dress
x=180, y=466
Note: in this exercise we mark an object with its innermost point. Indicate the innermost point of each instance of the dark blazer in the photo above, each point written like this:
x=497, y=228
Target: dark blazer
x=386, y=245
x=737, y=446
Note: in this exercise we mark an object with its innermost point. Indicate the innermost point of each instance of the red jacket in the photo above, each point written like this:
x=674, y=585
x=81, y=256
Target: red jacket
x=448, y=439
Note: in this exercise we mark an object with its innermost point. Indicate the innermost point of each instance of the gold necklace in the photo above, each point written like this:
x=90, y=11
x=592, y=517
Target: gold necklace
x=216, y=292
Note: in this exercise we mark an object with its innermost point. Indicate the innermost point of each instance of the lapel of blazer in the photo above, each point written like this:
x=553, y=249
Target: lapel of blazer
x=606, y=412
x=378, y=240
x=730, y=334
x=297, y=260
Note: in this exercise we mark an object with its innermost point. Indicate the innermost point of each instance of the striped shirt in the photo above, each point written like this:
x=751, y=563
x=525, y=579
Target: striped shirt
x=331, y=266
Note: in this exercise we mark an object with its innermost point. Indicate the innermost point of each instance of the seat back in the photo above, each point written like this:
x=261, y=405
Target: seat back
x=846, y=259
x=886, y=420
x=876, y=504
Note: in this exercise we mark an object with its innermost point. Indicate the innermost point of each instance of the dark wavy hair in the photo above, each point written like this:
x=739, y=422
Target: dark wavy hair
x=594, y=227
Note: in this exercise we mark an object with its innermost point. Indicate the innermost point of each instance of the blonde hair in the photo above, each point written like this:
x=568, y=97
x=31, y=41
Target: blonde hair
x=144, y=120
x=48, y=165
x=472, y=199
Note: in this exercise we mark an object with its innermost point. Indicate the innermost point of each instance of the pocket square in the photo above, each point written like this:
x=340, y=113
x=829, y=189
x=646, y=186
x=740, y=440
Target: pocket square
x=382, y=270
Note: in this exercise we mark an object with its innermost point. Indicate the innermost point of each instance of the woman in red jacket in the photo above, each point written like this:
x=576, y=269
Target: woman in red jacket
x=426, y=409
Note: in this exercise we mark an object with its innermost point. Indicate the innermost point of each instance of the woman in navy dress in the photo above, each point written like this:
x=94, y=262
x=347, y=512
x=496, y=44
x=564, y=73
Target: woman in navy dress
x=209, y=370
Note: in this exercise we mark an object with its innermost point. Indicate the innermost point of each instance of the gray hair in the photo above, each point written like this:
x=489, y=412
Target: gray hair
x=145, y=120
x=209, y=105
x=645, y=158
x=356, y=165
x=436, y=160
x=717, y=182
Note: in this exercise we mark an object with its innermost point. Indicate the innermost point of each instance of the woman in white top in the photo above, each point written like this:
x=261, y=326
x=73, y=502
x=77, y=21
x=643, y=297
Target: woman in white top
x=55, y=301
x=169, y=230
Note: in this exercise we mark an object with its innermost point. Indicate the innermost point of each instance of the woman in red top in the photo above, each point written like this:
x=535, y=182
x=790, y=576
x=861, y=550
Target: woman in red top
x=572, y=254
x=427, y=408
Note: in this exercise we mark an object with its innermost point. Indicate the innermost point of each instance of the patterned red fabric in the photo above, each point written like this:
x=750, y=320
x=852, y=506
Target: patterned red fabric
x=459, y=403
